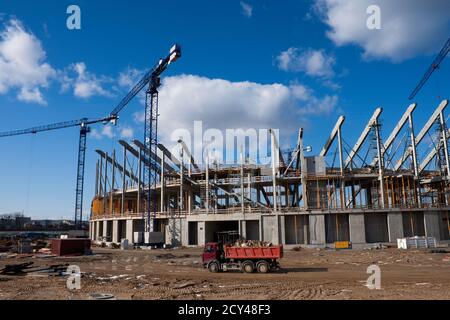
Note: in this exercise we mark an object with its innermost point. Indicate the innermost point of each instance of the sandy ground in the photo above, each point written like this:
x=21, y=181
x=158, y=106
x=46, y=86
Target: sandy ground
x=178, y=274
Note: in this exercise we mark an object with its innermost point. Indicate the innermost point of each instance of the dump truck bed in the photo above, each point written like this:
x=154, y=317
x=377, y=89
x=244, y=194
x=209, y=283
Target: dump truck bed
x=272, y=252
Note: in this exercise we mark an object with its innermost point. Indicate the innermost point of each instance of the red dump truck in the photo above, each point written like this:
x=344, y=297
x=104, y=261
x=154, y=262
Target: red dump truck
x=217, y=257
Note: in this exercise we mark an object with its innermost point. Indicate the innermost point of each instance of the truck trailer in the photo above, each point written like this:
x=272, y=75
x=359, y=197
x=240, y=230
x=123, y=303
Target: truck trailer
x=217, y=257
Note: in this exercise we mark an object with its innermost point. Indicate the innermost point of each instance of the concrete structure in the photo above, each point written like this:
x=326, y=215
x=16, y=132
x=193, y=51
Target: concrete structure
x=371, y=197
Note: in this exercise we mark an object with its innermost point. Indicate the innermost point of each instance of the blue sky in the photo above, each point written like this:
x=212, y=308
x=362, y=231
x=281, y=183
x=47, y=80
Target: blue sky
x=332, y=65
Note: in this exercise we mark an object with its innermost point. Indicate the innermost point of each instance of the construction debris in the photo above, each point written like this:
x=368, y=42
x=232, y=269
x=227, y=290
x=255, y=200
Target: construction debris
x=252, y=243
x=16, y=269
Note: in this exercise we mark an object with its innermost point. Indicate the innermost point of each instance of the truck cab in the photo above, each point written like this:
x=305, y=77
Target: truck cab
x=213, y=251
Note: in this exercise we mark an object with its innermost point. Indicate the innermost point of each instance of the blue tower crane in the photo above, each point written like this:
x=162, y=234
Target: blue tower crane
x=152, y=78
x=84, y=129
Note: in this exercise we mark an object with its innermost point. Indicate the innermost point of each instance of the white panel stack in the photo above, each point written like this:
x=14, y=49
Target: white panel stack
x=416, y=243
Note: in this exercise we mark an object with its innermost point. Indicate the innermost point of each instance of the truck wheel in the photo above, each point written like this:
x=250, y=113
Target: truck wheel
x=262, y=267
x=248, y=267
x=213, y=267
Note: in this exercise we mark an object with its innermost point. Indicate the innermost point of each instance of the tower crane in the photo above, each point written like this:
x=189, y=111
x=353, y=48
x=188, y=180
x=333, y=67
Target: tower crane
x=435, y=65
x=152, y=78
x=84, y=124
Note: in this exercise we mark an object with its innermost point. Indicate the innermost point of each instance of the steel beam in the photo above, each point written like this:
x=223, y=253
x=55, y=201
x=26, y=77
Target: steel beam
x=423, y=132
x=333, y=135
x=363, y=136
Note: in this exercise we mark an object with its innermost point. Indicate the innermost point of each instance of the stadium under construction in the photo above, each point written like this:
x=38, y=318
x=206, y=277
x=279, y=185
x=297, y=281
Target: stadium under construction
x=376, y=190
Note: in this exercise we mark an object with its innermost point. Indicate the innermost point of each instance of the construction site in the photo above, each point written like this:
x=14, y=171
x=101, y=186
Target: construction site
x=165, y=223
x=295, y=200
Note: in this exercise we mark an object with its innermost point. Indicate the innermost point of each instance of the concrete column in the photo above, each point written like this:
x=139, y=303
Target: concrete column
x=276, y=230
x=317, y=229
x=395, y=226
x=261, y=232
x=184, y=227
x=115, y=231
x=243, y=229
x=270, y=228
x=281, y=228
x=357, y=228
x=97, y=230
x=201, y=233
x=129, y=230
x=105, y=228
x=432, y=224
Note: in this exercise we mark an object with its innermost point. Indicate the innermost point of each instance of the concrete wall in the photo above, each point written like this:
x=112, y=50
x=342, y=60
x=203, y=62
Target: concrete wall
x=270, y=225
x=432, y=224
x=357, y=228
x=201, y=233
x=129, y=230
x=317, y=229
x=395, y=226
x=115, y=231
x=176, y=232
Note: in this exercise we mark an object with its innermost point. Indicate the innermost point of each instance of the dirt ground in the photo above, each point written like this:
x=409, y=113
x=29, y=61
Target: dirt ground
x=178, y=274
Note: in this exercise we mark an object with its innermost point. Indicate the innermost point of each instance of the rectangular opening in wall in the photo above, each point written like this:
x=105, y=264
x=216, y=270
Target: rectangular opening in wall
x=109, y=230
x=336, y=227
x=445, y=225
x=193, y=233
x=213, y=227
x=296, y=229
x=376, y=227
x=122, y=229
x=413, y=224
x=252, y=229
x=100, y=230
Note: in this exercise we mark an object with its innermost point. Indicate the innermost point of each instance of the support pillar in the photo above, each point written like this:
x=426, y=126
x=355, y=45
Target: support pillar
x=243, y=229
x=129, y=230
x=357, y=228
x=395, y=226
x=115, y=231
x=282, y=229
x=105, y=228
x=317, y=229
x=432, y=224
x=201, y=233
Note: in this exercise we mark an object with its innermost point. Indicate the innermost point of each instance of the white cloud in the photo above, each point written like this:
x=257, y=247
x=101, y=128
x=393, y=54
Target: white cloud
x=315, y=63
x=22, y=63
x=222, y=104
x=31, y=95
x=408, y=28
x=129, y=77
x=247, y=10
x=127, y=133
x=94, y=133
x=108, y=131
x=85, y=84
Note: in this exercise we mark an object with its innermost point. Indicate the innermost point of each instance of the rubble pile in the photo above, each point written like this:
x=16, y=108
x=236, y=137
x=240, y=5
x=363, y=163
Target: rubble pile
x=251, y=243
